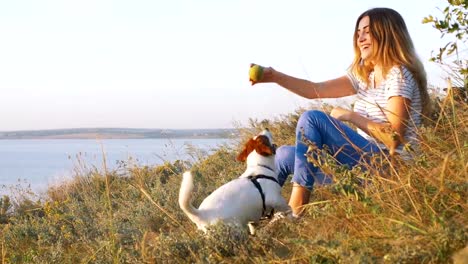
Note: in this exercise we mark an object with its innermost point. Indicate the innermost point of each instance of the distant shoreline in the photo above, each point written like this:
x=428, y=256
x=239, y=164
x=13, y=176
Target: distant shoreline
x=119, y=133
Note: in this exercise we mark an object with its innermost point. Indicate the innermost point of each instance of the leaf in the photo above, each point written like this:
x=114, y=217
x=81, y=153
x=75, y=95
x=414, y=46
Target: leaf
x=428, y=19
x=452, y=48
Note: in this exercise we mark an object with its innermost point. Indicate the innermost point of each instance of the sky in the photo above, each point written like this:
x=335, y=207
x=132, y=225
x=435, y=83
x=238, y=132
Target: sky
x=178, y=64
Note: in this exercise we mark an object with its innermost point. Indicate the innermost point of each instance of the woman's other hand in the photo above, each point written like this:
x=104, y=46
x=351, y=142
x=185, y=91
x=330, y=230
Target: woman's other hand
x=341, y=114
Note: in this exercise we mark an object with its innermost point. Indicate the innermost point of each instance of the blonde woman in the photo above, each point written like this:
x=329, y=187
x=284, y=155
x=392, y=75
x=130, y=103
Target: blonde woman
x=390, y=83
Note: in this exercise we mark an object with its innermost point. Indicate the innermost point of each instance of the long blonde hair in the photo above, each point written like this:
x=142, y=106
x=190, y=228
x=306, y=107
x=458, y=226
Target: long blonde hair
x=392, y=46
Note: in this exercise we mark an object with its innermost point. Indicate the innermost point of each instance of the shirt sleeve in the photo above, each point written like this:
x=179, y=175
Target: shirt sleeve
x=353, y=79
x=400, y=82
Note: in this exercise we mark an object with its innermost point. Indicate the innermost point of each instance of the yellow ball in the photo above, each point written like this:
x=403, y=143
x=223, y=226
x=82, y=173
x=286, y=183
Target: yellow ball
x=256, y=73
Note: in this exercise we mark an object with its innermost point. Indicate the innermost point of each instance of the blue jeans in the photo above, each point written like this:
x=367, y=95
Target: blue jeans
x=343, y=142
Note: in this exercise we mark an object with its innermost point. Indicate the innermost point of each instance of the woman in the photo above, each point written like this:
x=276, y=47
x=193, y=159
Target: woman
x=391, y=85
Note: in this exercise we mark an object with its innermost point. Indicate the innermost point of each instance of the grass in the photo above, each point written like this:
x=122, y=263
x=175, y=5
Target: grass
x=413, y=213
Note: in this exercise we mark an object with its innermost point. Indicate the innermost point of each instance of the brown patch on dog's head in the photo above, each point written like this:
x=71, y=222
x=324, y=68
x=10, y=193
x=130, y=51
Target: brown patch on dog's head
x=261, y=144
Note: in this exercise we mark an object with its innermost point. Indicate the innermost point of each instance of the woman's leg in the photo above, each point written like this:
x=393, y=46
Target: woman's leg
x=321, y=129
x=344, y=143
x=284, y=163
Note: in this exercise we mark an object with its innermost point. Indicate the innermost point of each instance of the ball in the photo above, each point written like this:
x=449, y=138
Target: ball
x=256, y=73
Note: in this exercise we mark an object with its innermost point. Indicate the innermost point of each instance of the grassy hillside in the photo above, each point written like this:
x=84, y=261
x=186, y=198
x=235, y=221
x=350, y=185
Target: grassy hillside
x=411, y=213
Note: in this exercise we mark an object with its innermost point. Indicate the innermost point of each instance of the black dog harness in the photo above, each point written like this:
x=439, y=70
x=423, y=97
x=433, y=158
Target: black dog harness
x=254, y=179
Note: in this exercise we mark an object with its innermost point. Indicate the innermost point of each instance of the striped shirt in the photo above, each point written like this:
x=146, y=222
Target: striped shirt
x=372, y=101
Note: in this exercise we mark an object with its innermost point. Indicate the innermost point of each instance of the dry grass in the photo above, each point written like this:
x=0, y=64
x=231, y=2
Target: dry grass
x=415, y=213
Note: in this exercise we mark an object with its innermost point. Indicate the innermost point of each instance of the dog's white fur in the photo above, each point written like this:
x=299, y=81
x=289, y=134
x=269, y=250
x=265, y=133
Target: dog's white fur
x=238, y=201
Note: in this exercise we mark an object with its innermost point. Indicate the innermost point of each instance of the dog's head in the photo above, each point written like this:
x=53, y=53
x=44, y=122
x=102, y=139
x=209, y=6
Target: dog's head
x=262, y=144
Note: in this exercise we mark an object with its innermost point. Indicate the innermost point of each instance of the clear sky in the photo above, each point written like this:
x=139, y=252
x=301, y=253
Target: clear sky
x=175, y=63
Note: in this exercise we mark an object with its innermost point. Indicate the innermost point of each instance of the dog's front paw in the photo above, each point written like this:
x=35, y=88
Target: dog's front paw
x=289, y=216
x=278, y=216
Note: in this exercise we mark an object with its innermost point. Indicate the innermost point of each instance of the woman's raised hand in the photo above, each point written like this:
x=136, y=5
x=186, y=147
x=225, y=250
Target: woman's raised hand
x=260, y=74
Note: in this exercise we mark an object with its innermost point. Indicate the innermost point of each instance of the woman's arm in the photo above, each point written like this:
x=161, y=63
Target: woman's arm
x=329, y=89
x=391, y=133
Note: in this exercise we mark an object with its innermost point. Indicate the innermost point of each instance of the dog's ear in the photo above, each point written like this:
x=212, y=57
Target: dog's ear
x=248, y=147
x=263, y=146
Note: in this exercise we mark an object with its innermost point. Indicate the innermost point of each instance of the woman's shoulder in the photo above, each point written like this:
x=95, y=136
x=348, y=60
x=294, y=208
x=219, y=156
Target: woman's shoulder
x=400, y=72
x=400, y=82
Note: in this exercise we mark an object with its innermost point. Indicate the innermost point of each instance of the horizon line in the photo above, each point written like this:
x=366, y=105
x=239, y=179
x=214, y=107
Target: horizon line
x=97, y=128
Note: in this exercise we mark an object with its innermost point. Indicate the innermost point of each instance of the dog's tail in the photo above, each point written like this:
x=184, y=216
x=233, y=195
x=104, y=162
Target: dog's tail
x=185, y=197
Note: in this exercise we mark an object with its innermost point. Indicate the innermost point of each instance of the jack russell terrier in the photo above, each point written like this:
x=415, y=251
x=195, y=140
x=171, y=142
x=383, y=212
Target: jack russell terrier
x=244, y=200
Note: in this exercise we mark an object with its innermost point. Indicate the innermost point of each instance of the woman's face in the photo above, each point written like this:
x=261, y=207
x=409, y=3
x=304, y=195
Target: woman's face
x=364, y=40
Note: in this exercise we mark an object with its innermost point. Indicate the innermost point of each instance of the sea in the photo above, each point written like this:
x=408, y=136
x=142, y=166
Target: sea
x=32, y=165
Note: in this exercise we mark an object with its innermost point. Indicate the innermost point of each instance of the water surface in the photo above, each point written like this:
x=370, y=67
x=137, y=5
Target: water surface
x=39, y=163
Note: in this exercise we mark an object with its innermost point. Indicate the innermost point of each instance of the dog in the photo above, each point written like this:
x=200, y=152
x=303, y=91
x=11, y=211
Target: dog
x=242, y=201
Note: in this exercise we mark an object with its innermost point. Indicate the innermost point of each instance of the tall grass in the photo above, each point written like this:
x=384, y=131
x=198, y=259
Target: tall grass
x=405, y=213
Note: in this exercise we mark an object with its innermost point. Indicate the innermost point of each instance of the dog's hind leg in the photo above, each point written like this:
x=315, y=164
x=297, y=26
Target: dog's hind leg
x=251, y=226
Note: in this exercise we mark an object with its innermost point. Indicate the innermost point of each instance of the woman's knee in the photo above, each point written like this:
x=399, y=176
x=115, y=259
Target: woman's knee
x=309, y=117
